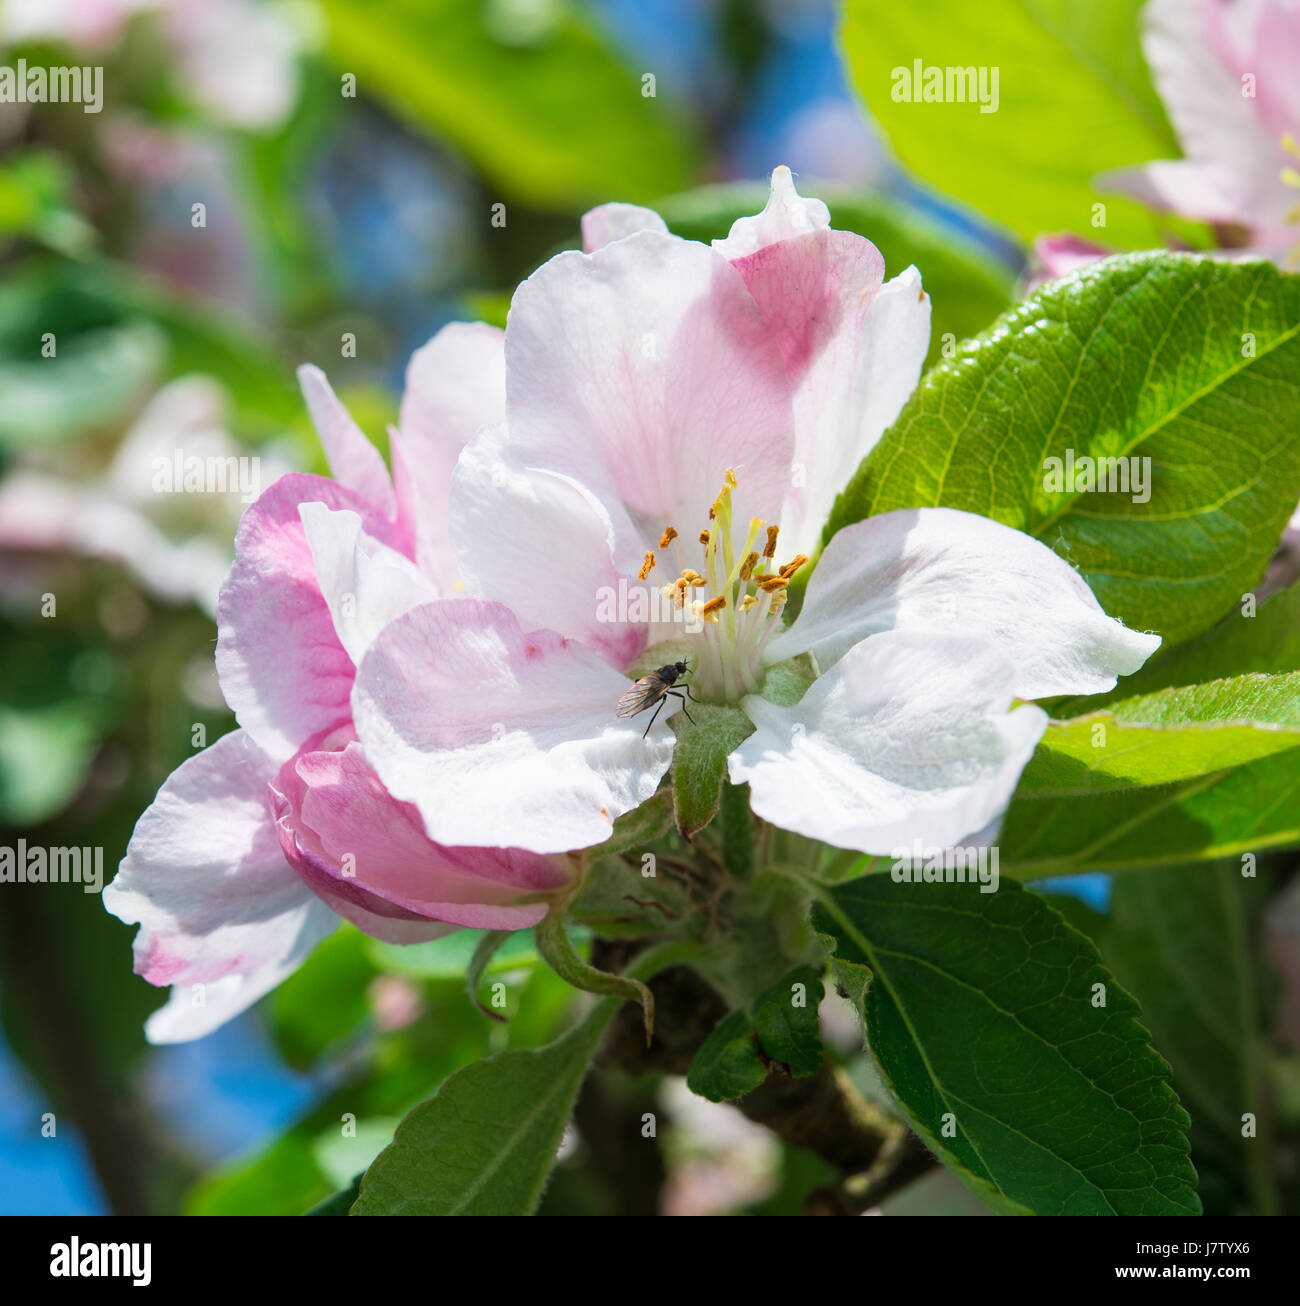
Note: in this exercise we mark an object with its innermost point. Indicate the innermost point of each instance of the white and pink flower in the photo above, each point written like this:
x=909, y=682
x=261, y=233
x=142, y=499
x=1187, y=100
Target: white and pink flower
x=425, y=671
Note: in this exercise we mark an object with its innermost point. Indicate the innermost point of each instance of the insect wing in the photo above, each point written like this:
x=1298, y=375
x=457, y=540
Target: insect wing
x=647, y=690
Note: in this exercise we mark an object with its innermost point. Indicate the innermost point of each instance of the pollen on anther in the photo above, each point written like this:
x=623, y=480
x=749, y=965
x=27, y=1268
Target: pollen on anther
x=667, y=537
x=747, y=603
x=769, y=549
x=713, y=606
x=772, y=584
x=647, y=566
x=747, y=567
x=704, y=535
x=793, y=565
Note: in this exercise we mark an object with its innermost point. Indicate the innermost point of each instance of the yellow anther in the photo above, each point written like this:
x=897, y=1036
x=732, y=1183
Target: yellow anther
x=713, y=606
x=772, y=584
x=647, y=566
x=749, y=601
x=667, y=537
x=692, y=578
x=704, y=535
x=793, y=565
x=747, y=567
x=769, y=549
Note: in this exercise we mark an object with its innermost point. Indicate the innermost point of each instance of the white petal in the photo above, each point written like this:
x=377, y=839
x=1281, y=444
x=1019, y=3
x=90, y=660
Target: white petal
x=355, y=462
x=455, y=386
x=223, y=916
x=786, y=214
x=942, y=571
x=365, y=584
x=614, y=221
x=850, y=397
x=502, y=738
x=540, y=542
x=908, y=737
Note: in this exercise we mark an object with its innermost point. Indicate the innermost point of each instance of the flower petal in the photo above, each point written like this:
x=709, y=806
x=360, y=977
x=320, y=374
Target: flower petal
x=368, y=856
x=938, y=570
x=543, y=544
x=614, y=221
x=854, y=347
x=786, y=214
x=355, y=462
x=455, y=386
x=282, y=668
x=646, y=371
x=1233, y=150
x=218, y=906
x=364, y=583
x=907, y=737
x=502, y=738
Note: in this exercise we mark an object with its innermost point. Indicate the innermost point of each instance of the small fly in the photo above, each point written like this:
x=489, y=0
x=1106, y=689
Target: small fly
x=657, y=687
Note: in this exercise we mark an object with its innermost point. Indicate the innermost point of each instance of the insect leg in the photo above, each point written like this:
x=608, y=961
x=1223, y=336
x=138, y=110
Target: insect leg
x=652, y=719
x=682, y=701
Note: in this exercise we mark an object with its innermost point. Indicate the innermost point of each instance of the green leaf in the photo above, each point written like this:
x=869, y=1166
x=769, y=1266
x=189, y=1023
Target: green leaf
x=519, y=101
x=324, y=1000
x=979, y=1011
x=780, y=1025
x=1248, y=809
x=1185, y=942
x=484, y=1143
x=117, y=337
x=104, y=361
x=729, y=1063
x=1189, y=361
x=1074, y=99
x=1173, y=734
x=341, y=1202
x=450, y=956
x=700, y=761
x=36, y=189
x=967, y=288
x=785, y=1020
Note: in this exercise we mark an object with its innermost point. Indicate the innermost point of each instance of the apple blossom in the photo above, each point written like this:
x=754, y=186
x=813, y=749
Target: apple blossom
x=673, y=414
x=255, y=847
x=425, y=669
x=1227, y=75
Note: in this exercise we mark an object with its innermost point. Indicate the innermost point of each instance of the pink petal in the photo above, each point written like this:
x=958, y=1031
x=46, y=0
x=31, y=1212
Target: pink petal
x=282, y=668
x=646, y=371
x=502, y=738
x=853, y=345
x=1059, y=255
x=223, y=916
x=368, y=856
x=356, y=463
